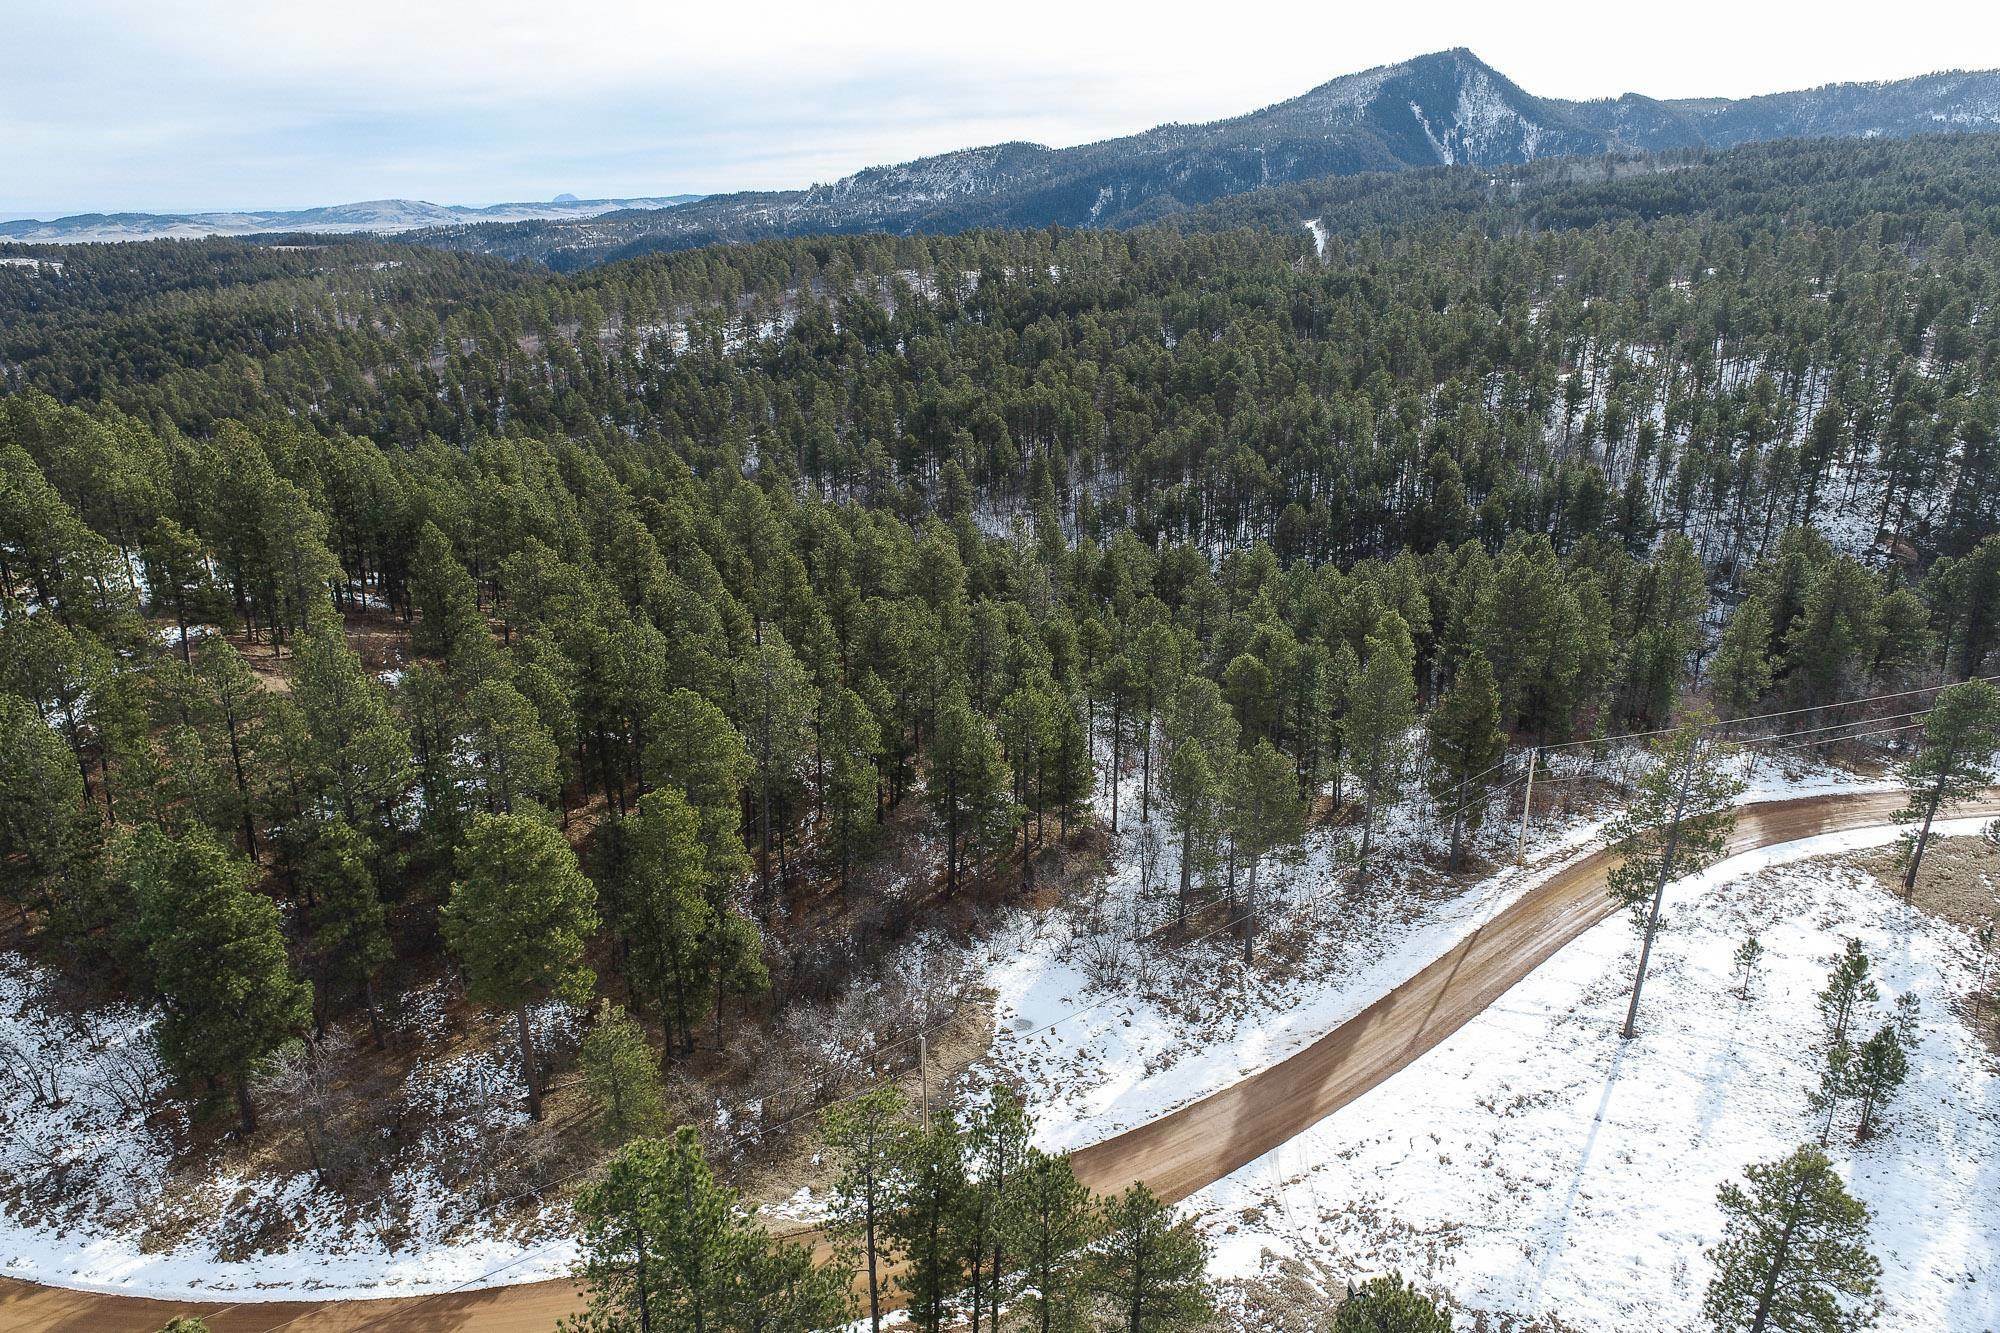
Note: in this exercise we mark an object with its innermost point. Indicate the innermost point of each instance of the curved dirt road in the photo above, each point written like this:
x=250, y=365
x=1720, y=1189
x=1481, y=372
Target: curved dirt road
x=1176, y=1154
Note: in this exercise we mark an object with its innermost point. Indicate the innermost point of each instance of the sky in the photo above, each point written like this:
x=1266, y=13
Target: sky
x=185, y=105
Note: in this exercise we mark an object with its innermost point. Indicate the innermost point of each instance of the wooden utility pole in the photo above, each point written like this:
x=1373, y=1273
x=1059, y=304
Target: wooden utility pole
x=924, y=1072
x=1527, y=804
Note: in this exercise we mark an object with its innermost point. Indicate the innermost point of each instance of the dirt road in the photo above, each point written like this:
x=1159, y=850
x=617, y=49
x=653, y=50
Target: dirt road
x=1176, y=1154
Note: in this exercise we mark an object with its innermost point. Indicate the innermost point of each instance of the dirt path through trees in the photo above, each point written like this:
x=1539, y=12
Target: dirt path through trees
x=1176, y=1154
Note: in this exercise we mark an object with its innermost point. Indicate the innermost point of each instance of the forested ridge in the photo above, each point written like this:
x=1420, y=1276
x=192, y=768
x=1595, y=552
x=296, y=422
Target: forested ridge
x=686, y=631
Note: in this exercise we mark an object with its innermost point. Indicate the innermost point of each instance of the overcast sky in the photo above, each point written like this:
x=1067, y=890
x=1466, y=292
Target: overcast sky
x=181, y=105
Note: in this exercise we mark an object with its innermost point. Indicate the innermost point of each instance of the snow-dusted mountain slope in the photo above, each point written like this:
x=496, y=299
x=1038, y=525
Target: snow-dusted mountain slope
x=1448, y=108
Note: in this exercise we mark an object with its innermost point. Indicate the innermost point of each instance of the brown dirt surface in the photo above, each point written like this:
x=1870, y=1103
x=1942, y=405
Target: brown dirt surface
x=1176, y=1154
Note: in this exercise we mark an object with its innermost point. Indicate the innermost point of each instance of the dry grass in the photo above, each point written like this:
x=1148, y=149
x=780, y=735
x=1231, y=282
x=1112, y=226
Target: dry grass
x=1960, y=882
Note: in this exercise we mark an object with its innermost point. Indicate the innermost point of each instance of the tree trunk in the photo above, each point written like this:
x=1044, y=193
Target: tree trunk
x=1923, y=836
x=246, y=1110
x=527, y=1040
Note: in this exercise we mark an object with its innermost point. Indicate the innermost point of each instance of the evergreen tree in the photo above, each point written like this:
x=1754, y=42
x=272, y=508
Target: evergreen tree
x=851, y=743
x=1677, y=822
x=47, y=825
x=229, y=712
x=216, y=954
x=1380, y=712
x=695, y=748
x=178, y=579
x=1954, y=760
x=1881, y=1067
x=924, y=1224
x=1150, y=1270
x=774, y=699
x=996, y=1143
x=1848, y=988
x=359, y=757
x=519, y=918
x=866, y=1136
x=1048, y=1222
x=622, y=1077
x=1740, y=674
x=1068, y=776
x=967, y=785
x=1389, y=1305
x=350, y=936
x=1793, y=1253
x=665, y=1249
x=1466, y=746
x=671, y=915
x=1263, y=813
x=512, y=754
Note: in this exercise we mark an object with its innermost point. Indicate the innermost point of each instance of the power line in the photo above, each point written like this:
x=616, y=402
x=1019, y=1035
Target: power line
x=1292, y=909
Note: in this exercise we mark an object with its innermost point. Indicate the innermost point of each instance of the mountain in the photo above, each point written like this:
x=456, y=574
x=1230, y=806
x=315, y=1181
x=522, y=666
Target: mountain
x=382, y=216
x=1446, y=108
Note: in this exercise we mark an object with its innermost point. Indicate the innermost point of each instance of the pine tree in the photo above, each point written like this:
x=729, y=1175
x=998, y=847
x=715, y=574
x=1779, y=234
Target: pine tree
x=512, y=755
x=1677, y=822
x=666, y=913
x=1389, y=1305
x=449, y=625
x=1068, y=776
x=47, y=824
x=967, y=785
x=1881, y=1067
x=1263, y=813
x=217, y=957
x=1954, y=760
x=1380, y=712
x=350, y=936
x=1466, y=748
x=1740, y=674
x=359, y=756
x=774, y=699
x=1793, y=1253
x=622, y=1077
x=695, y=748
x=665, y=1249
x=1848, y=987
x=1048, y=1223
x=996, y=1143
x=851, y=743
x=1150, y=1270
x=177, y=576
x=229, y=711
x=866, y=1136
x=923, y=1226
x=1745, y=961
x=519, y=918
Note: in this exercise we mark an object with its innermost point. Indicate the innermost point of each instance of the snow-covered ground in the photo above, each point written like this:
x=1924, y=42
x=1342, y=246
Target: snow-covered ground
x=1535, y=1163
x=1100, y=1032
x=91, y=1196
x=1103, y=1035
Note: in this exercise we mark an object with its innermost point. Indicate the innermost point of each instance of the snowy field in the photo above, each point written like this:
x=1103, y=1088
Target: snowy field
x=1534, y=1163
x=93, y=1200
x=1102, y=1034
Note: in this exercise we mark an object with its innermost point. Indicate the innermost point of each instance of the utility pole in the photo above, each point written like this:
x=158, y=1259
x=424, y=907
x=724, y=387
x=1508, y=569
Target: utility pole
x=1660, y=891
x=924, y=1072
x=1527, y=804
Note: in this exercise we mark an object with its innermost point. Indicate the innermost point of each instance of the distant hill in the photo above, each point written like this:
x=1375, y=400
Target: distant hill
x=1447, y=108
x=381, y=216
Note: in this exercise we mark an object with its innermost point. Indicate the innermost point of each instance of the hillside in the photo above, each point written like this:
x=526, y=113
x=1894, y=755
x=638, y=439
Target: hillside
x=1449, y=108
x=380, y=217
x=463, y=723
